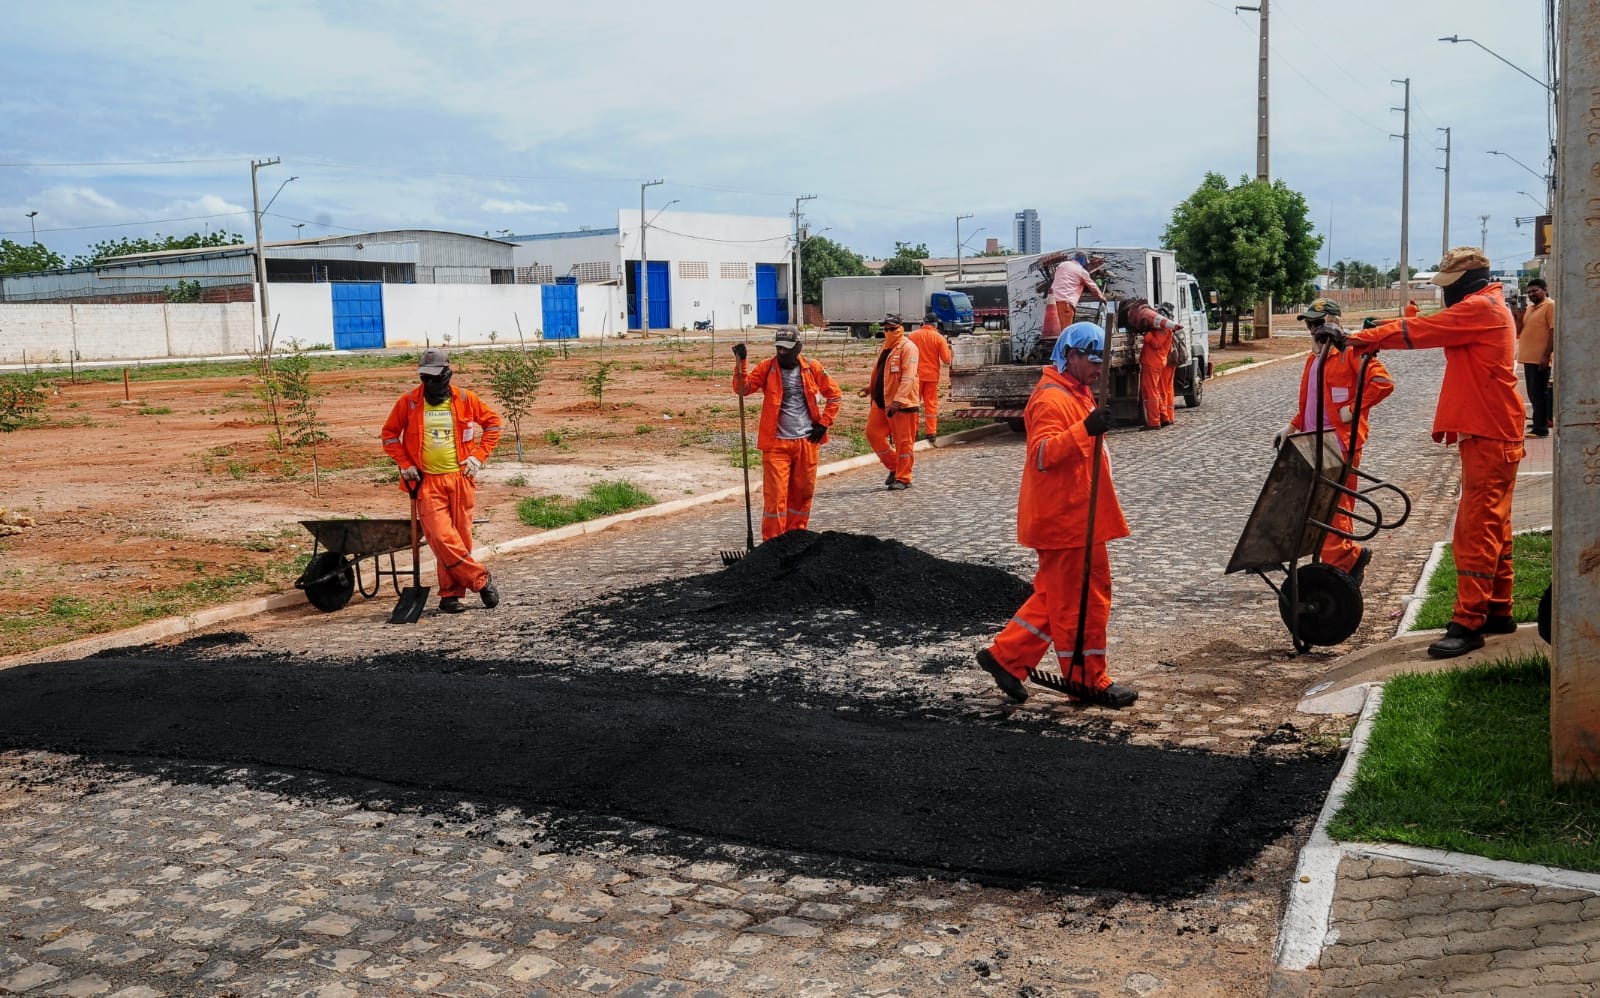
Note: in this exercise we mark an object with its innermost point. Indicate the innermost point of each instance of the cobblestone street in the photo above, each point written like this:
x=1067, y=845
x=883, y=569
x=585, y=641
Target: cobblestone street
x=212, y=876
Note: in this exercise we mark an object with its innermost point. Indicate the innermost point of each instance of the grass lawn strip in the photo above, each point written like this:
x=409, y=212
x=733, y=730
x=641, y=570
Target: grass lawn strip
x=603, y=499
x=1530, y=554
x=1460, y=760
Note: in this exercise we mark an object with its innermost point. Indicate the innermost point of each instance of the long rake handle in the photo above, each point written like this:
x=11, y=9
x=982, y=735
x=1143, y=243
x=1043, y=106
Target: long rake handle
x=1079, y=664
x=744, y=462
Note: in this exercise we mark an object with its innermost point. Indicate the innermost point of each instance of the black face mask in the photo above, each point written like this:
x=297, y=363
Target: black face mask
x=789, y=359
x=436, y=388
x=1466, y=284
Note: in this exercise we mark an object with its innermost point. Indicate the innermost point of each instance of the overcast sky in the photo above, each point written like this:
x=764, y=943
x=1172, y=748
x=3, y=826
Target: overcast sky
x=538, y=116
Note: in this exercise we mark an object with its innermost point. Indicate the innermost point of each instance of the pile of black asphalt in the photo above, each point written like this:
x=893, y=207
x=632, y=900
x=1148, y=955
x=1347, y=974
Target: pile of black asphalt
x=829, y=777
x=824, y=589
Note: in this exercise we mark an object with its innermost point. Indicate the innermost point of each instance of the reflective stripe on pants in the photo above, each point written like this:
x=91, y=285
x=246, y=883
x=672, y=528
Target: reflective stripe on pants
x=1051, y=613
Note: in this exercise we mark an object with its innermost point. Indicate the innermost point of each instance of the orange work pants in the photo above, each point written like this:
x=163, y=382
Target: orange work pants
x=1482, y=535
x=1051, y=617
x=788, y=481
x=444, y=506
x=891, y=437
x=1155, y=388
x=930, y=405
x=1341, y=552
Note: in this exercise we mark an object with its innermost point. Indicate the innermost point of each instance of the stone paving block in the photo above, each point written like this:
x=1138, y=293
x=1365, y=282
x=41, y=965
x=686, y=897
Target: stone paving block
x=1490, y=941
x=1549, y=913
x=1369, y=930
x=1447, y=924
x=1490, y=899
x=1562, y=933
x=1540, y=956
x=790, y=928
x=1491, y=981
x=81, y=987
x=34, y=975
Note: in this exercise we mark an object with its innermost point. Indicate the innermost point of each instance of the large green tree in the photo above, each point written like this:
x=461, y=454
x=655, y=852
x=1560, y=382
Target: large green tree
x=1245, y=241
x=23, y=258
x=907, y=260
x=126, y=245
x=821, y=257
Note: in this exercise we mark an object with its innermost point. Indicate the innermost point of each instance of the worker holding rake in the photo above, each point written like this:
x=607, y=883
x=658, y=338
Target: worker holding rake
x=1066, y=512
x=793, y=428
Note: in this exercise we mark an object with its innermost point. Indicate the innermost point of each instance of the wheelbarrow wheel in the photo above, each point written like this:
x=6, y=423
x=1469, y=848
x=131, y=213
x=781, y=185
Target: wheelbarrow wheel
x=1544, y=615
x=334, y=582
x=1330, y=605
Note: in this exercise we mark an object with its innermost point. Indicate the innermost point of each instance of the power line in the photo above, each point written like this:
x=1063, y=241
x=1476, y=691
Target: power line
x=131, y=162
x=123, y=225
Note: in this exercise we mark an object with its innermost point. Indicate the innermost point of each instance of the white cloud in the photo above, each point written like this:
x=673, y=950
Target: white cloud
x=503, y=207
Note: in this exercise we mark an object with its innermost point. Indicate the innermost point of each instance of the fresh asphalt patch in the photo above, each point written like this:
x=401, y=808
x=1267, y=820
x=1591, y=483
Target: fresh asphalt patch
x=819, y=775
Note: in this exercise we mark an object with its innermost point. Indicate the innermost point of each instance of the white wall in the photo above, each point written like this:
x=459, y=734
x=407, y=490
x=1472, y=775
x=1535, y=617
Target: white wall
x=39, y=333
x=602, y=310
x=561, y=254
x=712, y=239
x=417, y=314
x=303, y=312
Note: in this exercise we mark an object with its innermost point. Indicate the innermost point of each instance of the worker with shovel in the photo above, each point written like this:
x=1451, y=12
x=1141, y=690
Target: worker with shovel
x=792, y=429
x=1066, y=512
x=441, y=436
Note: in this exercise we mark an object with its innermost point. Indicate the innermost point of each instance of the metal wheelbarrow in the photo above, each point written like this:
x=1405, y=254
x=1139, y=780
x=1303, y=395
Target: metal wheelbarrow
x=1320, y=604
x=335, y=573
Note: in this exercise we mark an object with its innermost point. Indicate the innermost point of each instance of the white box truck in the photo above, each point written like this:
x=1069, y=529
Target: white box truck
x=856, y=303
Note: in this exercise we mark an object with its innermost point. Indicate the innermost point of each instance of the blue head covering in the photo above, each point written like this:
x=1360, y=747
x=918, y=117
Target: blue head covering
x=1084, y=336
x=1082, y=258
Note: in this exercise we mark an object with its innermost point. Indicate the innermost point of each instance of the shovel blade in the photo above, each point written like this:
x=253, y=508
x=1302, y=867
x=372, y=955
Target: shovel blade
x=413, y=600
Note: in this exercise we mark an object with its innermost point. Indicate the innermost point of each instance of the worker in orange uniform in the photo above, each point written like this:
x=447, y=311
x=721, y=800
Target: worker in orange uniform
x=1412, y=311
x=441, y=436
x=933, y=352
x=895, y=394
x=1064, y=425
x=1156, y=374
x=1340, y=371
x=792, y=428
x=1480, y=411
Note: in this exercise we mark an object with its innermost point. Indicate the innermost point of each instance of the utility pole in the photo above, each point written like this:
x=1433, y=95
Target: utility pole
x=33, y=231
x=644, y=263
x=1575, y=601
x=261, y=260
x=799, y=316
x=1483, y=234
x=1263, y=317
x=1405, y=192
x=959, y=219
x=1444, y=243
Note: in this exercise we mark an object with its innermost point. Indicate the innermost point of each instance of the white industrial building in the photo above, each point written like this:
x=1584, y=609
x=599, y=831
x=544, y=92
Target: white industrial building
x=729, y=269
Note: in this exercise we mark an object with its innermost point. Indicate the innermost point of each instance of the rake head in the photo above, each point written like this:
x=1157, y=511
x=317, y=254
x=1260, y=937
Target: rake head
x=730, y=558
x=1057, y=682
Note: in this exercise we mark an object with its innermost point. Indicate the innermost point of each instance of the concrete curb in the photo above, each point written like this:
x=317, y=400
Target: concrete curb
x=1260, y=363
x=1419, y=595
x=172, y=626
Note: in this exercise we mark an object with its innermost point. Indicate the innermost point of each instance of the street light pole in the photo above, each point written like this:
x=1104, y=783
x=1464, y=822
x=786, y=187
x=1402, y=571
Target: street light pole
x=1483, y=234
x=958, y=244
x=297, y=227
x=1445, y=242
x=1550, y=108
x=33, y=232
x=261, y=264
x=644, y=263
x=1405, y=192
x=799, y=295
x=1076, y=237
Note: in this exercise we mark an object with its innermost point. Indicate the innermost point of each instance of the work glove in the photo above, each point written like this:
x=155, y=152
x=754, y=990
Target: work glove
x=1370, y=322
x=411, y=474
x=1097, y=422
x=892, y=408
x=818, y=431
x=470, y=469
x=739, y=351
x=1346, y=413
x=1282, y=435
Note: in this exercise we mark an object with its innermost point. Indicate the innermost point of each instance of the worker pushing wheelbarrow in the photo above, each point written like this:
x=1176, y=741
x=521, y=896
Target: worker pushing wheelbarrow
x=1317, y=503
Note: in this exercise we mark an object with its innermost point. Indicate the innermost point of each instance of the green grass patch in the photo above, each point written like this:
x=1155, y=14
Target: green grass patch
x=949, y=426
x=1530, y=556
x=237, y=368
x=1222, y=365
x=155, y=410
x=1460, y=760
x=603, y=499
x=750, y=458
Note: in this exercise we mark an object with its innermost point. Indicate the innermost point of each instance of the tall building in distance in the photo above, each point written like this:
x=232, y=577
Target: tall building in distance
x=1025, y=231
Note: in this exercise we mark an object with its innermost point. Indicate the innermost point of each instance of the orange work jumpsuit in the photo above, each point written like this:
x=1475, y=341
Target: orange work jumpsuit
x=444, y=502
x=788, y=465
x=891, y=435
x=933, y=350
x=1480, y=410
x=1340, y=372
x=1156, y=375
x=1052, y=518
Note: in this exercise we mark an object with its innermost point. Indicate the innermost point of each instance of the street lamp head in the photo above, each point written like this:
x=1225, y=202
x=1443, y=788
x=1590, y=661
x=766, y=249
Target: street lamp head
x=1452, y=39
x=32, y=214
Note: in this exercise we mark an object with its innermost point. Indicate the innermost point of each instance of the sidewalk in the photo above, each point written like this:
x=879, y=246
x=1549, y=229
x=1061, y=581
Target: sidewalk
x=1381, y=919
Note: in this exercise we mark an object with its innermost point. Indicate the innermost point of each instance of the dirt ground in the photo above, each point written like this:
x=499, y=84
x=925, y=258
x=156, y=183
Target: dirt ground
x=175, y=496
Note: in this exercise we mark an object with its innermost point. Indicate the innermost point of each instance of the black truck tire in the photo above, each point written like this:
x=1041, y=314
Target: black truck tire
x=1192, y=391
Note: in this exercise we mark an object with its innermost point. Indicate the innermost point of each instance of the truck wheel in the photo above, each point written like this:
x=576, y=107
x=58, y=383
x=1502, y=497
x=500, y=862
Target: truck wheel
x=1016, y=424
x=859, y=331
x=1191, y=394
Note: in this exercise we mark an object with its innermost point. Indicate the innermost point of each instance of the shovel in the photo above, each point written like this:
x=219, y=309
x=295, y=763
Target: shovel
x=415, y=596
x=730, y=558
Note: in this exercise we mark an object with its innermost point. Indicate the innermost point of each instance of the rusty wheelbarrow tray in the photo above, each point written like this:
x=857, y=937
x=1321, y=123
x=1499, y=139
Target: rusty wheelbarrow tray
x=335, y=572
x=1320, y=604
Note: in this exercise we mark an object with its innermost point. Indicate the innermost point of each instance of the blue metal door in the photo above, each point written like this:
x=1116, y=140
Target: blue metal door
x=357, y=316
x=660, y=296
x=772, y=308
x=560, y=311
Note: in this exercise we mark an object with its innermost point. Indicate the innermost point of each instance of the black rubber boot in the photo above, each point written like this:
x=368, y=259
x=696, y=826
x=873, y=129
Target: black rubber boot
x=1499, y=623
x=1458, y=640
x=1359, y=572
x=490, y=594
x=451, y=604
x=1010, y=685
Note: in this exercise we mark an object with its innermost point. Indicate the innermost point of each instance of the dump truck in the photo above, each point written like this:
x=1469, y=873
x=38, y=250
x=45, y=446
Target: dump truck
x=992, y=375
x=859, y=303
x=991, y=304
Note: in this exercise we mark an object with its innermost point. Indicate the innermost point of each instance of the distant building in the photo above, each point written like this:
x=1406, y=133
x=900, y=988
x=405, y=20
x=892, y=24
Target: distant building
x=991, y=246
x=1025, y=231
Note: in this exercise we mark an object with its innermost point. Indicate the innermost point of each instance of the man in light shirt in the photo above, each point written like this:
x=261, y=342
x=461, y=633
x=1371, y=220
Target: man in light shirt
x=1068, y=284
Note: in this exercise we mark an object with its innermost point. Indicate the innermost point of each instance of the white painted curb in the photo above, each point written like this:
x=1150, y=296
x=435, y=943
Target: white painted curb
x=1419, y=595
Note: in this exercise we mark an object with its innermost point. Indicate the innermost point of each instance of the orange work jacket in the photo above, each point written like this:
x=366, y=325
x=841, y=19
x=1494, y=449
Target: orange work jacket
x=1479, y=395
x=1053, y=507
x=932, y=351
x=1412, y=311
x=767, y=378
x=1339, y=375
x=900, y=374
x=402, y=431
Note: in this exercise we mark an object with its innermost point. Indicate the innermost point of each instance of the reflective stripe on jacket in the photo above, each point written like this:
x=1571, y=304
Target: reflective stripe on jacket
x=767, y=378
x=402, y=431
x=1053, y=506
x=900, y=375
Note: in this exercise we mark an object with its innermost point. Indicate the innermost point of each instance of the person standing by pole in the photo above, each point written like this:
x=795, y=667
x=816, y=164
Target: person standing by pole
x=792, y=428
x=933, y=353
x=1066, y=490
x=895, y=394
x=1535, y=347
x=441, y=436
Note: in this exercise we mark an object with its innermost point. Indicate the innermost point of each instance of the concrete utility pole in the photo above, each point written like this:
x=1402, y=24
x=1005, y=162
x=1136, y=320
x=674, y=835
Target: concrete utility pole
x=265, y=341
x=644, y=262
x=1444, y=246
x=1405, y=192
x=959, y=219
x=799, y=299
x=1483, y=234
x=1575, y=655
x=1263, y=317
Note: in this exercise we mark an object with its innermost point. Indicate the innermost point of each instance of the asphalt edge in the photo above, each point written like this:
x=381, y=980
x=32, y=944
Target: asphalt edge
x=166, y=627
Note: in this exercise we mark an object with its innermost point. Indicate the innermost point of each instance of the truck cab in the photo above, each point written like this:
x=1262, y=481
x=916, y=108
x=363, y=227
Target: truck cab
x=953, y=310
x=1190, y=310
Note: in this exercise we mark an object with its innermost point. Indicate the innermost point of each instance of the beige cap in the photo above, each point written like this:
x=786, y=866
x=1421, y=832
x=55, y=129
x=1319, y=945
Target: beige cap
x=1457, y=262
